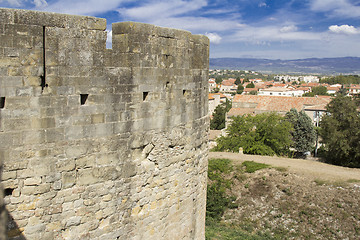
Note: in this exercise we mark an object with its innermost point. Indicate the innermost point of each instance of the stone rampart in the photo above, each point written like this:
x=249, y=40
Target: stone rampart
x=102, y=143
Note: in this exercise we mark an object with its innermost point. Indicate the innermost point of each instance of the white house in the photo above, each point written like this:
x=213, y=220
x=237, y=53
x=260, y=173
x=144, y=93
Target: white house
x=310, y=79
x=277, y=91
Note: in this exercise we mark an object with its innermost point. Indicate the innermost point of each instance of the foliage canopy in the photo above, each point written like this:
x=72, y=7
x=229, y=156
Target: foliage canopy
x=240, y=89
x=263, y=134
x=250, y=85
x=342, y=79
x=319, y=90
x=218, y=120
x=340, y=132
x=303, y=132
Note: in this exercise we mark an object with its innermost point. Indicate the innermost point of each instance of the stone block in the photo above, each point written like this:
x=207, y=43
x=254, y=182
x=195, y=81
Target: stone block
x=68, y=179
x=85, y=177
x=8, y=175
x=32, y=181
x=97, y=118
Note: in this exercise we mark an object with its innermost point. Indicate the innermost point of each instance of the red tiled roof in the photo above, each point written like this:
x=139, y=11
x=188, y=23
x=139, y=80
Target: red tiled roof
x=240, y=111
x=310, y=84
x=280, y=103
x=250, y=89
x=333, y=88
x=227, y=83
x=321, y=107
x=211, y=95
x=303, y=88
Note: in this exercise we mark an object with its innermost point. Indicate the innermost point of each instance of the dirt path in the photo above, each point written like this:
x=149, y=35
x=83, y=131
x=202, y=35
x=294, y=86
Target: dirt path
x=313, y=169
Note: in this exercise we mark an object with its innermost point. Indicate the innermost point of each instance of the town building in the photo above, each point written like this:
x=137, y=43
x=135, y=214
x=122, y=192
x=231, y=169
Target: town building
x=254, y=104
x=276, y=91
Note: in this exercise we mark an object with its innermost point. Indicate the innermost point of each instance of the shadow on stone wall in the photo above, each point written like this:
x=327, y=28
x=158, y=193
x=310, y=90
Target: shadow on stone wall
x=12, y=229
x=8, y=227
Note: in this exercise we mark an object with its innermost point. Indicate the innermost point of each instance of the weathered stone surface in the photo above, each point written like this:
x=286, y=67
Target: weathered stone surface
x=115, y=144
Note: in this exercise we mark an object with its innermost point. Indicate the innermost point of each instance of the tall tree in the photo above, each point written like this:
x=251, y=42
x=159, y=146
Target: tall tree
x=218, y=80
x=240, y=89
x=303, y=132
x=263, y=134
x=340, y=132
x=250, y=85
x=218, y=120
x=319, y=90
x=238, y=81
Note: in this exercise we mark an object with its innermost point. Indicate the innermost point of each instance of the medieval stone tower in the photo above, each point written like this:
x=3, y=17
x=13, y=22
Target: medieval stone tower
x=101, y=143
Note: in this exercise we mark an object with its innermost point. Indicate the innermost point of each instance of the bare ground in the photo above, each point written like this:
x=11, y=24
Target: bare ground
x=310, y=168
x=309, y=200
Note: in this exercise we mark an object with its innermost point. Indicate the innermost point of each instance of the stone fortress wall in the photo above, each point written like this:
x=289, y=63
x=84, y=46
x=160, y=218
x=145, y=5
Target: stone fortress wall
x=102, y=143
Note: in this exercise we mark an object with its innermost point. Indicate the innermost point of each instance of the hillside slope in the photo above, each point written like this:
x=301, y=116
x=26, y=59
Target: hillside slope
x=284, y=203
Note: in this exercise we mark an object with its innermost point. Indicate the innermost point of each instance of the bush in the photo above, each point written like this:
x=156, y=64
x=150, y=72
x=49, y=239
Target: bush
x=217, y=201
x=263, y=134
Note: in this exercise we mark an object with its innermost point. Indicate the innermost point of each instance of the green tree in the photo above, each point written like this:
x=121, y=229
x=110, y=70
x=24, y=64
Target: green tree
x=340, y=132
x=240, y=89
x=216, y=90
x=218, y=120
x=342, y=79
x=263, y=134
x=342, y=91
x=303, y=133
x=250, y=85
x=320, y=90
x=238, y=81
x=253, y=92
x=218, y=80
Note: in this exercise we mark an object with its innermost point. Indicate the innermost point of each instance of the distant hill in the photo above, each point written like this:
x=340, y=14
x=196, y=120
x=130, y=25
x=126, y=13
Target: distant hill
x=346, y=65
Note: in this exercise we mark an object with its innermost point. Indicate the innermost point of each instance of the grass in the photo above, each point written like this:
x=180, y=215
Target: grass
x=223, y=231
x=217, y=199
x=338, y=183
x=320, y=182
x=251, y=166
x=281, y=169
x=353, y=180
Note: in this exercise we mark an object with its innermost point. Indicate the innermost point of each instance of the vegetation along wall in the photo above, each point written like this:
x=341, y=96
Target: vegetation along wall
x=102, y=143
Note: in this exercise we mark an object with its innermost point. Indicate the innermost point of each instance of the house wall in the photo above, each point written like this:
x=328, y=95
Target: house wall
x=113, y=143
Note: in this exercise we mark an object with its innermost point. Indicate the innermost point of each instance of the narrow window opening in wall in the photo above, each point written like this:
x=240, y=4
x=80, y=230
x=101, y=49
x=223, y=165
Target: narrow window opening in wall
x=145, y=95
x=2, y=102
x=109, y=38
x=83, y=98
x=167, y=84
x=184, y=92
x=43, y=77
x=8, y=191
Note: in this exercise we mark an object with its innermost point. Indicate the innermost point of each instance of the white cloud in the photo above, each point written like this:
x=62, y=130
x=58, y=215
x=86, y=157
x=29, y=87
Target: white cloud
x=40, y=3
x=273, y=34
x=13, y=3
x=345, y=29
x=162, y=9
x=179, y=14
x=214, y=37
x=263, y=4
x=82, y=7
x=290, y=28
x=341, y=8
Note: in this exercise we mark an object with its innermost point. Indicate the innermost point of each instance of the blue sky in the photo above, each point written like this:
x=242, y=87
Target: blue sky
x=274, y=29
